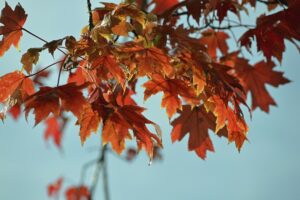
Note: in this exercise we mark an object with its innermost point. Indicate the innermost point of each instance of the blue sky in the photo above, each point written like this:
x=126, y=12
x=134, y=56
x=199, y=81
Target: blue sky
x=266, y=168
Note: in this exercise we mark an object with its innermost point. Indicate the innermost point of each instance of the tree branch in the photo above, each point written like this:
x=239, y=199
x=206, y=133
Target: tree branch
x=91, y=24
x=105, y=181
x=100, y=165
x=281, y=2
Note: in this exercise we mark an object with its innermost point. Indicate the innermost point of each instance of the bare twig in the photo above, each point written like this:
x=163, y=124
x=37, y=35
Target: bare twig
x=45, y=68
x=282, y=2
x=100, y=165
x=91, y=24
x=43, y=40
x=105, y=182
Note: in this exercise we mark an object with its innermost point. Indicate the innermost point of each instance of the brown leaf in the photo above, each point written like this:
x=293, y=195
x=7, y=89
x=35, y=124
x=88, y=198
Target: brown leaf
x=195, y=121
x=254, y=79
x=29, y=58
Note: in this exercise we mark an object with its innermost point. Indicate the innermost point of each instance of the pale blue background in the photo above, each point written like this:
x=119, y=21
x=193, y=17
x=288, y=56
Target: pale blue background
x=267, y=167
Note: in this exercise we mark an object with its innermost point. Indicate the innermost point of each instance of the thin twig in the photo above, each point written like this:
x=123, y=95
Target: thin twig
x=43, y=40
x=45, y=68
x=105, y=181
x=34, y=35
x=284, y=2
x=99, y=167
x=91, y=24
x=59, y=75
x=84, y=169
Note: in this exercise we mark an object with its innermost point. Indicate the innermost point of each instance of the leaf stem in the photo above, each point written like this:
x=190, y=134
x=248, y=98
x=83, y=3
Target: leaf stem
x=34, y=35
x=45, y=68
x=43, y=40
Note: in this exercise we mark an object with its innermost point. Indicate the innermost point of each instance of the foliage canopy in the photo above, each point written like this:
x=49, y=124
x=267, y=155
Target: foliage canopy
x=180, y=48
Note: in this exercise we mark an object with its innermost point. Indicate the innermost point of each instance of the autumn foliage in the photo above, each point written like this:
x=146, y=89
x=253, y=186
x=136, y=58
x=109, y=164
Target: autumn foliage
x=179, y=48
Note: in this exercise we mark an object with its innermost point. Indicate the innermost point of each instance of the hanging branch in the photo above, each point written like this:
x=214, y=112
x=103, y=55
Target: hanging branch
x=101, y=164
x=105, y=181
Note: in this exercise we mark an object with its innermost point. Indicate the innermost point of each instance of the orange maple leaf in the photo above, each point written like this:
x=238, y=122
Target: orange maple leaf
x=14, y=89
x=13, y=21
x=148, y=60
x=9, y=83
x=129, y=117
x=89, y=121
x=78, y=193
x=226, y=117
x=215, y=40
x=107, y=67
x=172, y=89
x=15, y=111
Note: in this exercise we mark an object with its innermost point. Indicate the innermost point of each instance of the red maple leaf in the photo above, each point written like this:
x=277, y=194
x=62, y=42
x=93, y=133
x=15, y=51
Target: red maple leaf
x=53, y=131
x=78, y=193
x=163, y=5
x=54, y=188
x=271, y=30
x=53, y=100
x=15, y=111
x=13, y=21
x=254, y=79
x=195, y=121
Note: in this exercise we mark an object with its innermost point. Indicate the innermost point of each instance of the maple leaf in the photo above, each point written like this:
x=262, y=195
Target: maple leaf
x=149, y=60
x=108, y=64
x=77, y=77
x=15, y=111
x=52, y=100
x=78, y=193
x=53, y=131
x=129, y=117
x=9, y=83
x=14, y=89
x=13, y=21
x=122, y=28
x=115, y=131
x=215, y=40
x=223, y=7
x=195, y=121
x=254, y=79
x=88, y=121
x=271, y=30
x=163, y=5
x=54, y=188
x=172, y=89
x=29, y=58
x=53, y=45
x=196, y=8
x=226, y=117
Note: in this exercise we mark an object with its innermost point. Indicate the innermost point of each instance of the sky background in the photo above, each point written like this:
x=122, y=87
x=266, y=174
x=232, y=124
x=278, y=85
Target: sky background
x=266, y=168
